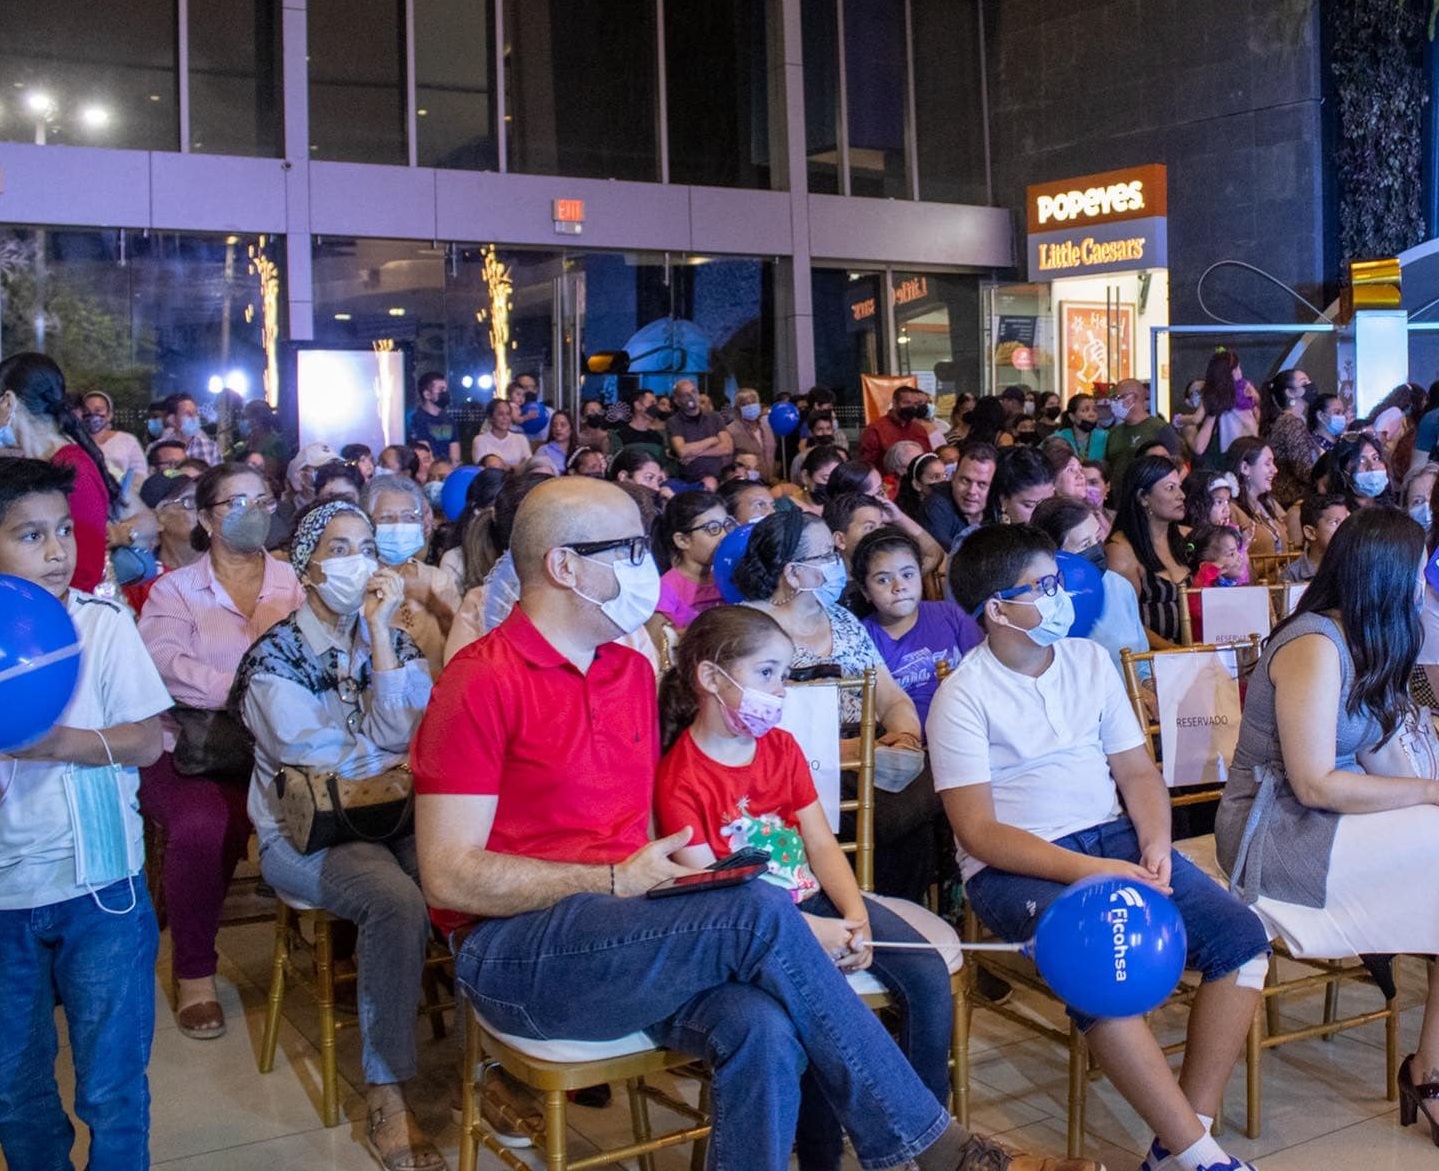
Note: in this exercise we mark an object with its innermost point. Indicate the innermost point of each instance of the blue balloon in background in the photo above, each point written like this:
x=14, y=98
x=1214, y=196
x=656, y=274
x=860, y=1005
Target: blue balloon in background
x=727, y=555
x=1085, y=586
x=39, y=661
x=456, y=488
x=1111, y=947
x=783, y=418
x=535, y=423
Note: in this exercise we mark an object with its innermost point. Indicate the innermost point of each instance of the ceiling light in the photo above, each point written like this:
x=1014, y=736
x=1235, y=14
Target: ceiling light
x=95, y=117
x=397, y=312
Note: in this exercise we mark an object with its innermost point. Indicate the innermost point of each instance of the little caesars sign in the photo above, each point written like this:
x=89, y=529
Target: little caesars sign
x=1098, y=223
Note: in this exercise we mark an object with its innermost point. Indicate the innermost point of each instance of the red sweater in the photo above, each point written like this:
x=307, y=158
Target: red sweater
x=90, y=509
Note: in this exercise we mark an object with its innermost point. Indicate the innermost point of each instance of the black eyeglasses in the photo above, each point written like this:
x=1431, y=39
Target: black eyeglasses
x=817, y=559
x=715, y=528
x=637, y=548
x=243, y=500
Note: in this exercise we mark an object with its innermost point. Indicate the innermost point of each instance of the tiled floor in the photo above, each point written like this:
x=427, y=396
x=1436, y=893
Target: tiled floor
x=1324, y=1101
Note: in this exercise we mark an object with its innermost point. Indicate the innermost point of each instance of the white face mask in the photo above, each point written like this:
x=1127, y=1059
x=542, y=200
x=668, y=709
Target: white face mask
x=639, y=593
x=1056, y=616
x=343, y=589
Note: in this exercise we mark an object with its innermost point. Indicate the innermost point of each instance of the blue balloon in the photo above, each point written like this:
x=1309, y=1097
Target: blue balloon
x=39, y=661
x=536, y=417
x=1111, y=947
x=456, y=488
x=727, y=555
x=1085, y=586
x=783, y=418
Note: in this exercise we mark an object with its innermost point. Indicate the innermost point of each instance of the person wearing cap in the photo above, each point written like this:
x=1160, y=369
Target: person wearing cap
x=1135, y=428
x=300, y=478
x=171, y=497
x=121, y=449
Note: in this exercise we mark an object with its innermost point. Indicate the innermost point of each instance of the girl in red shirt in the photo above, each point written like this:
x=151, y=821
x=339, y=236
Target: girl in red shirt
x=738, y=781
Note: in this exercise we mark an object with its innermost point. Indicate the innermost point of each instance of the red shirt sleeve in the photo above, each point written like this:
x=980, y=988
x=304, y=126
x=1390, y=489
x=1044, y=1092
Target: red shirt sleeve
x=90, y=510
x=871, y=447
x=676, y=791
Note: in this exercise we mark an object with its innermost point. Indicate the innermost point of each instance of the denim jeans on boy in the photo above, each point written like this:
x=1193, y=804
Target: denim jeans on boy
x=376, y=886
x=733, y=976
x=918, y=984
x=1223, y=933
x=103, y=968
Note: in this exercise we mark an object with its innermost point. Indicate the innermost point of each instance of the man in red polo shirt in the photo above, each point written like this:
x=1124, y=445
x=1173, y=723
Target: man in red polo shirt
x=904, y=421
x=534, y=774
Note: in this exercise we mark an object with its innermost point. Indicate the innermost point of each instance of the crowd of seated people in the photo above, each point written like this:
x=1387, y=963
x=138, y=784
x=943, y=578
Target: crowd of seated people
x=587, y=696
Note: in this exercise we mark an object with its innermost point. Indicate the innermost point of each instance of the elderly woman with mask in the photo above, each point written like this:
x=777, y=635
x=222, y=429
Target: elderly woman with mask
x=751, y=432
x=403, y=521
x=339, y=687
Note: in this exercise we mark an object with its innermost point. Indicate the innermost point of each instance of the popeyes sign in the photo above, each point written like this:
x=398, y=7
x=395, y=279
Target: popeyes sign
x=1098, y=223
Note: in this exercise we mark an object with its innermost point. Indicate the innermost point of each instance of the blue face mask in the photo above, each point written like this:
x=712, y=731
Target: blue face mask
x=190, y=426
x=1421, y=513
x=7, y=436
x=156, y=428
x=103, y=847
x=397, y=543
x=1335, y=425
x=434, y=491
x=749, y=412
x=1371, y=483
x=831, y=589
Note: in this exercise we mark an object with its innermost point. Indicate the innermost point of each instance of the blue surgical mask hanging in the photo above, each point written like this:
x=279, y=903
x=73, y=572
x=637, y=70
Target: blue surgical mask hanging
x=104, y=852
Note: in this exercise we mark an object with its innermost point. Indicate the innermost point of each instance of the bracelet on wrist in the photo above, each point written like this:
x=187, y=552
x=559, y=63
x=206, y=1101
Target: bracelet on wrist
x=612, y=878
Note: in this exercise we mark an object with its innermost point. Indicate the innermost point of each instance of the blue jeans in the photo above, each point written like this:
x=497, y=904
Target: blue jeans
x=102, y=967
x=1223, y=933
x=376, y=886
x=918, y=983
x=732, y=976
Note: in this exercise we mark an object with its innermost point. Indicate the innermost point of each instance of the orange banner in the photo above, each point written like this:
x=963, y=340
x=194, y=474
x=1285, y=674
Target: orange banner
x=878, y=389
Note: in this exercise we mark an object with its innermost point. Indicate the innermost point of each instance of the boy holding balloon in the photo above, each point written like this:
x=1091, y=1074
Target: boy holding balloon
x=1043, y=772
x=75, y=918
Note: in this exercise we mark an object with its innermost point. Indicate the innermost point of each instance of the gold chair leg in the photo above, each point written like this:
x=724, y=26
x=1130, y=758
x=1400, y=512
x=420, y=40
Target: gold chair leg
x=959, y=1052
x=430, y=987
x=699, y=1154
x=556, y=1138
x=1331, y=1006
x=325, y=992
x=640, y=1119
x=1271, y=1003
x=276, y=1001
x=1078, y=1075
x=1253, y=1055
x=469, y=1098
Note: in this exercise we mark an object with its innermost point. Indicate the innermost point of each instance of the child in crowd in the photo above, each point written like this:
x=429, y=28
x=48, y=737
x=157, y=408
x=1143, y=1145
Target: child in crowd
x=1034, y=745
x=746, y=501
x=1319, y=517
x=1216, y=558
x=738, y=781
x=689, y=531
x=913, y=636
x=75, y=919
x=850, y=517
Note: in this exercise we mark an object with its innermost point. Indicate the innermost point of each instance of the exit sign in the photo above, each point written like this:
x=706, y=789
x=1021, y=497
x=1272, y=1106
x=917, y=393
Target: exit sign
x=569, y=216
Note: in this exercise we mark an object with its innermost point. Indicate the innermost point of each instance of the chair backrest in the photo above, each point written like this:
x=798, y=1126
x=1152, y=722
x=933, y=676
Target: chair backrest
x=1265, y=568
x=1242, y=654
x=818, y=735
x=1232, y=613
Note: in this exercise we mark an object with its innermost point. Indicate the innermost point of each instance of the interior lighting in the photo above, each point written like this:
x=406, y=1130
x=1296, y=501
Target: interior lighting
x=216, y=384
x=95, y=117
x=39, y=103
x=486, y=382
x=397, y=312
x=342, y=317
x=467, y=382
x=239, y=382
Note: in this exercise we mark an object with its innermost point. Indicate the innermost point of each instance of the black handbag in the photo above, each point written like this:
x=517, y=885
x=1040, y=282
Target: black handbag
x=212, y=744
x=319, y=808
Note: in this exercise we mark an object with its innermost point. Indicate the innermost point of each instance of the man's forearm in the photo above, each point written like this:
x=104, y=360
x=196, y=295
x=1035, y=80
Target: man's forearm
x=500, y=885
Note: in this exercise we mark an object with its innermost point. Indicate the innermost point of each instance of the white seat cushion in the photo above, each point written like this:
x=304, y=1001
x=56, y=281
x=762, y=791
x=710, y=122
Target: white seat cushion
x=571, y=1052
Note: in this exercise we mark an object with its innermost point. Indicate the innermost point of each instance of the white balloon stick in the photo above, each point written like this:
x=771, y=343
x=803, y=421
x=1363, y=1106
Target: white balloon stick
x=899, y=945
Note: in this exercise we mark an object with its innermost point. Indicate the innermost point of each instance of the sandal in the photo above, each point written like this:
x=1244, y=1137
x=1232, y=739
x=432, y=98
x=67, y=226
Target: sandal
x=203, y=1022
x=397, y=1141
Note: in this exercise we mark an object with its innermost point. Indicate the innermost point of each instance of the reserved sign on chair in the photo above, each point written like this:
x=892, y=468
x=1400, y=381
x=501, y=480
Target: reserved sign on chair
x=1233, y=613
x=1198, y=714
x=811, y=716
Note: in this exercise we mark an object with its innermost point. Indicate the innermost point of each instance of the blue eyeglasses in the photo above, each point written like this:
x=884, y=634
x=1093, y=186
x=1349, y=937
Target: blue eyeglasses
x=1048, y=585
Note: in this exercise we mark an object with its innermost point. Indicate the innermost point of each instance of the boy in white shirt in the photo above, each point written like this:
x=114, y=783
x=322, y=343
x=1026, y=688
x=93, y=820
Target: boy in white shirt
x=75, y=918
x=1033, y=744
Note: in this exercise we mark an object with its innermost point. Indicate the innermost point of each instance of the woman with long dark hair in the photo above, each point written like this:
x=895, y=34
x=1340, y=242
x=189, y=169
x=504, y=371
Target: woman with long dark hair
x=38, y=417
x=1147, y=544
x=1327, y=824
x=924, y=473
x=1256, y=512
x=1224, y=413
x=1359, y=470
x=1289, y=396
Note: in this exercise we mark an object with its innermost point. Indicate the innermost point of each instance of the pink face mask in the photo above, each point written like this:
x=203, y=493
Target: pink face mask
x=1094, y=497
x=757, y=713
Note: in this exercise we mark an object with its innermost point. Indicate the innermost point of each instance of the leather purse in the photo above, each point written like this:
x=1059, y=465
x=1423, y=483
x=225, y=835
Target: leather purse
x=212, y=744
x=319, y=808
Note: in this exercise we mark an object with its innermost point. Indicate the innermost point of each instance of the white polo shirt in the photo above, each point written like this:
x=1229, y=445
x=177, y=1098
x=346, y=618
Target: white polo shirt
x=1040, y=743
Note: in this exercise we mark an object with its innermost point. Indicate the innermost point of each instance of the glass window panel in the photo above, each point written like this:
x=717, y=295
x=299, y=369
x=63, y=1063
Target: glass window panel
x=949, y=111
x=849, y=333
x=580, y=94
x=357, y=82
x=937, y=320
x=138, y=315
x=874, y=64
x=717, y=76
x=454, y=84
x=235, y=104
x=819, y=29
x=79, y=74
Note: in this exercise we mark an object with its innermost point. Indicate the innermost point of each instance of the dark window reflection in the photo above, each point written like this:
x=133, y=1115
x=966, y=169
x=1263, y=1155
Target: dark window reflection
x=716, y=70
x=949, y=115
x=454, y=84
x=580, y=88
x=357, y=80
x=235, y=104
x=874, y=63
x=820, y=36
x=83, y=74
